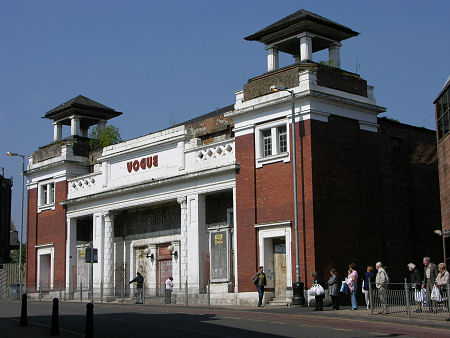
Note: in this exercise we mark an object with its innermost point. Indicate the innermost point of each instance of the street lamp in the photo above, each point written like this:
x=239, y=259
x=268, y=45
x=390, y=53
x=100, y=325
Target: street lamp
x=444, y=234
x=21, y=224
x=298, y=297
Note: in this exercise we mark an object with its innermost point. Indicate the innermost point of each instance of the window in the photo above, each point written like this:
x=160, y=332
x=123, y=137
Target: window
x=267, y=142
x=46, y=195
x=272, y=143
x=282, y=139
x=443, y=114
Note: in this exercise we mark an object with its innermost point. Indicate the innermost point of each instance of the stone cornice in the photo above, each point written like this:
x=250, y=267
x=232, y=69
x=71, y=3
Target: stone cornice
x=151, y=184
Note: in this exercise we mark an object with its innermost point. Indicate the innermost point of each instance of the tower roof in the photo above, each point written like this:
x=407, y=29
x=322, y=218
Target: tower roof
x=300, y=22
x=82, y=106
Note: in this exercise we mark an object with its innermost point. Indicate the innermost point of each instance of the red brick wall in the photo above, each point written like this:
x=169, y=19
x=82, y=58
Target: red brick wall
x=444, y=181
x=31, y=235
x=375, y=196
x=366, y=197
x=49, y=226
x=246, y=212
x=272, y=201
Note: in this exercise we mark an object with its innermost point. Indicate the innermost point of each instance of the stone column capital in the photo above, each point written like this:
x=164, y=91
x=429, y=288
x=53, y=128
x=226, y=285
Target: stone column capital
x=305, y=35
x=270, y=47
x=109, y=217
x=335, y=45
x=182, y=201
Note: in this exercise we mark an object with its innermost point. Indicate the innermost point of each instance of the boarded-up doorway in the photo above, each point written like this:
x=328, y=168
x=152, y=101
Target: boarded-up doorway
x=279, y=262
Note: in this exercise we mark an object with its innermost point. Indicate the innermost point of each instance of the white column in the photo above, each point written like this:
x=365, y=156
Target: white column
x=192, y=258
x=235, y=248
x=197, y=239
x=272, y=59
x=305, y=47
x=74, y=126
x=108, y=255
x=57, y=131
x=334, y=54
x=182, y=255
x=152, y=276
x=101, y=125
x=176, y=265
x=97, y=238
x=71, y=253
x=126, y=259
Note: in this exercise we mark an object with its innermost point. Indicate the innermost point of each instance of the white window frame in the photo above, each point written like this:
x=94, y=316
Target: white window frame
x=276, y=156
x=46, y=249
x=49, y=203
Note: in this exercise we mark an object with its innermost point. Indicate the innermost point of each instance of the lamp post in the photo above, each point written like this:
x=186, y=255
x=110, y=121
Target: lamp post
x=298, y=297
x=21, y=223
x=444, y=234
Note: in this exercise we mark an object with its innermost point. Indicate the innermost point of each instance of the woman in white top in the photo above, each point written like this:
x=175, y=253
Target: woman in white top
x=442, y=277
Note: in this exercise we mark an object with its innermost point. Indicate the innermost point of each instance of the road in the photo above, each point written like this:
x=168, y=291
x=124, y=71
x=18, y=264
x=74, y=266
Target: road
x=117, y=320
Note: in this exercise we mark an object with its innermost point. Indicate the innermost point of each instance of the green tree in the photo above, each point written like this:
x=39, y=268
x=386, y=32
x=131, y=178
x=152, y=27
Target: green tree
x=103, y=137
x=15, y=254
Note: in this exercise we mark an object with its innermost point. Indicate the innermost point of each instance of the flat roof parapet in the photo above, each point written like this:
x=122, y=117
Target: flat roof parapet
x=289, y=77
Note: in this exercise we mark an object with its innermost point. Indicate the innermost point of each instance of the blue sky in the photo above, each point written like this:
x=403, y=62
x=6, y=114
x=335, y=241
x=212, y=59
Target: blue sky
x=159, y=61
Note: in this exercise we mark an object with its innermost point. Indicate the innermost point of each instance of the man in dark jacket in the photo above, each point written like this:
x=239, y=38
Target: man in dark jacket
x=429, y=277
x=259, y=279
x=319, y=299
x=414, y=276
x=139, y=289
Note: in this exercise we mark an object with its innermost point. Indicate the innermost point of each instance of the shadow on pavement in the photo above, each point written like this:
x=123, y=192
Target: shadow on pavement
x=129, y=324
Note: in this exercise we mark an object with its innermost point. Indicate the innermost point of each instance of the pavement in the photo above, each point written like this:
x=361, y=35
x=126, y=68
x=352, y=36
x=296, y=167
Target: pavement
x=123, y=320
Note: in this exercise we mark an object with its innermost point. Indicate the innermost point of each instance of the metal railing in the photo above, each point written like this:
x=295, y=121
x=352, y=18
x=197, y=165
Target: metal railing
x=409, y=300
x=123, y=293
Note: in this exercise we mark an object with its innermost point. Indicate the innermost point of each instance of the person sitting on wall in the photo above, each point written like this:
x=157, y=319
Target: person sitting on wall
x=139, y=280
x=259, y=279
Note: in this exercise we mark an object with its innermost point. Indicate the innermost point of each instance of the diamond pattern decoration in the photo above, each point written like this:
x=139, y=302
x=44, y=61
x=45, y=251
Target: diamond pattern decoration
x=214, y=153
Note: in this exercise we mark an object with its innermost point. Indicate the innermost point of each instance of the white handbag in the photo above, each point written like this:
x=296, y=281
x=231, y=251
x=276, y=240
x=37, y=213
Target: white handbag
x=319, y=290
x=435, y=294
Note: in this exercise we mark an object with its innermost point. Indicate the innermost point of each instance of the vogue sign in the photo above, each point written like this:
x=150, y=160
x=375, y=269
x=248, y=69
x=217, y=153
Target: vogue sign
x=144, y=163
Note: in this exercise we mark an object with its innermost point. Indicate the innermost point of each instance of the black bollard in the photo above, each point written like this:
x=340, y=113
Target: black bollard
x=54, y=329
x=89, y=320
x=23, y=313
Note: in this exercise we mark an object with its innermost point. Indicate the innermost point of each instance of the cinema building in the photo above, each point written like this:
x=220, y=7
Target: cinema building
x=218, y=190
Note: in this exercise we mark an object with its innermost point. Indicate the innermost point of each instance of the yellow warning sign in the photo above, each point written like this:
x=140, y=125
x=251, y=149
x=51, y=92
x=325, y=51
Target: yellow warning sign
x=218, y=238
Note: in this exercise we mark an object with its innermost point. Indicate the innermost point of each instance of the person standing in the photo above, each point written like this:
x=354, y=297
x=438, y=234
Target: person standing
x=382, y=282
x=168, y=290
x=442, y=279
x=429, y=277
x=369, y=277
x=319, y=298
x=333, y=289
x=139, y=280
x=259, y=279
x=416, y=285
x=352, y=283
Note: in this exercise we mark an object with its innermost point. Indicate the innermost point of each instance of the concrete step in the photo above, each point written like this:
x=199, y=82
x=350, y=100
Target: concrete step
x=279, y=301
